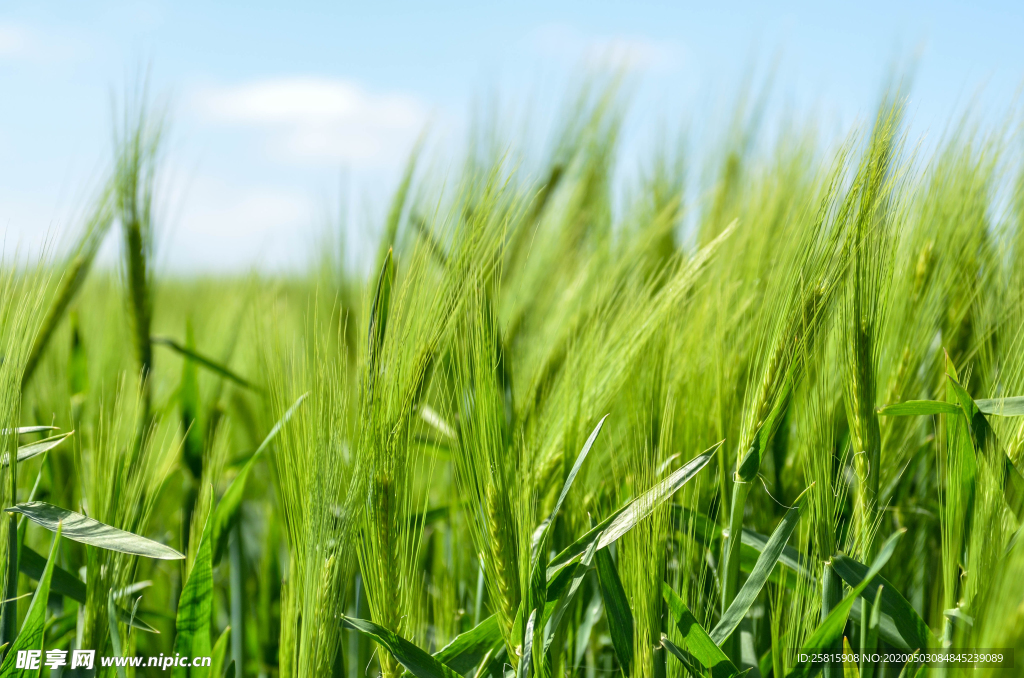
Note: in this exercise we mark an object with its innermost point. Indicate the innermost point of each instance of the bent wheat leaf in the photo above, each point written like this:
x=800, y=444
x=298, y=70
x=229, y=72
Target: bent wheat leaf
x=831, y=630
x=468, y=649
x=699, y=527
x=31, y=635
x=414, y=659
x=698, y=642
x=609, y=530
x=36, y=448
x=92, y=532
x=642, y=507
x=737, y=610
x=790, y=557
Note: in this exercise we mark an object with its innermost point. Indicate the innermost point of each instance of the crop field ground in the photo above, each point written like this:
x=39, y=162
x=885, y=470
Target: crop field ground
x=563, y=427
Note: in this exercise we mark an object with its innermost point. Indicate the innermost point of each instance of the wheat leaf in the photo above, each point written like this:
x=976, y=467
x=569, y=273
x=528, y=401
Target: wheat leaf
x=698, y=642
x=468, y=649
x=908, y=623
x=831, y=629
x=912, y=408
x=737, y=610
x=195, y=607
x=625, y=519
x=92, y=532
x=35, y=449
x=31, y=635
x=616, y=605
x=414, y=659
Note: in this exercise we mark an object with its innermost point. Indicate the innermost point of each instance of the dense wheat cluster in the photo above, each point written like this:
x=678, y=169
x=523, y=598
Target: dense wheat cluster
x=682, y=424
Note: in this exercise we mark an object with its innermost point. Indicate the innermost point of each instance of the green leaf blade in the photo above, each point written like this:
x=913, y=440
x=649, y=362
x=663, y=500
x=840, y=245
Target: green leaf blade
x=698, y=641
x=773, y=549
x=32, y=629
x=414, y=659
x=77, y=527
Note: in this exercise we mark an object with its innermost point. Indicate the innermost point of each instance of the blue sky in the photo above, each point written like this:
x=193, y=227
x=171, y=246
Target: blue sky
x=272, y=103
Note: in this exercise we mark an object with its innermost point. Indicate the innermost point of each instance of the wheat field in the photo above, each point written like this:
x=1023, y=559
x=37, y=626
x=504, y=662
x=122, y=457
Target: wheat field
x=567, y=425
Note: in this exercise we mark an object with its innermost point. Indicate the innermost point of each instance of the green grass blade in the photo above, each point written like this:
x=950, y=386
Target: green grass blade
x=640, y=508
x=831, y=630
x=414, y=659
x=789, y=557
x=468, y=649
x=219, y=655
x=564, y=602
x=913, y=408
x=616, y=605
x=546, y=527
x=195, y=607
x=698, y=642
x=576, y=469
x=379, y=320
x=23, y=430
x=706, y=532
x=526, y=660
x=887, y=630
x=874, y=623
x=204, y=361
x=37, y=448
x=1002, y=407
x=691, y=663
x=34, y=626
x=909, y=624
x=92, y=532
x=625, y=519
x=849, y=667
x=737, y=610
x=538, y=573
x=33, y=565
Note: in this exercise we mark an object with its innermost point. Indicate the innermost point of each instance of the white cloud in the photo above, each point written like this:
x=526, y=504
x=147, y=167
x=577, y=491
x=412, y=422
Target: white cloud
x=228, y=226
x=315, y=119
x=636, y=53
x=15, y=41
